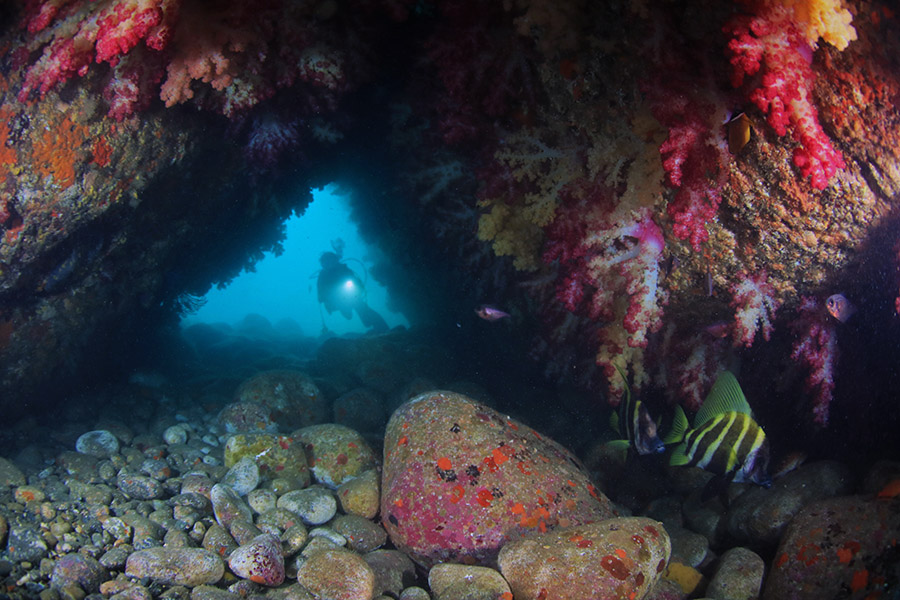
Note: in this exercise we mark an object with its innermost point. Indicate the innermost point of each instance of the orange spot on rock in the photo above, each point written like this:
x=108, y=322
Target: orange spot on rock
x=102, y=152
x=585, y=544
x=257, y=579
x=859, y=581
x=621, y=553
x=637, y=539
x=484, y=497
x=506, y=596
x=456, y=493
x=615, y=567
x=517, y=509
x=444, y=464
x=782, y=559
x=342, y=459
x=499, y=457
x=58, y=150
x=403, y=441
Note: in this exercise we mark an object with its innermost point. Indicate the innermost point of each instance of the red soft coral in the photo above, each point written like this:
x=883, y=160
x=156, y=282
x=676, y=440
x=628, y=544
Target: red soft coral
x=771, y=42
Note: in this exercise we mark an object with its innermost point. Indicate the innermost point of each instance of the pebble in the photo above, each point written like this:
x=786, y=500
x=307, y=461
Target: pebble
x=78, y=569
x=138, y=487
x=261, y=500
x=315, y=505
x=414, y=593
x=338, y=575
x=615, y=558
x=335, y=452
x=189, y=567
x=292, y=397
x=218, y=541
x=278, y=456
x=761, y=515
x=10, y=475
x=393, y=570
x=246, y=417
x=362, y=535
x=739, y=576
x=176, y=434
x=28, y=493
x=361, y=495
x=25, y=542
x=361, y=409
x=329, y=534
x=260, y=561
x=243, y=476
x=99, y=443
x=293, y=539
x=228, y=506
x=449, y=581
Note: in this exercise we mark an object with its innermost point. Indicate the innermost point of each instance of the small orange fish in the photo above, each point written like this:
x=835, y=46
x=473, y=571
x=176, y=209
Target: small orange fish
x=839, y=307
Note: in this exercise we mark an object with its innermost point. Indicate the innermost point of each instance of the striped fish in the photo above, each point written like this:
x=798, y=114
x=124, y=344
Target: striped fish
x=725, y=439
x=640, y=429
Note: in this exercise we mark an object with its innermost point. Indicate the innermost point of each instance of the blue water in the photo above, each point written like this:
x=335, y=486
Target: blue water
x=284, y=286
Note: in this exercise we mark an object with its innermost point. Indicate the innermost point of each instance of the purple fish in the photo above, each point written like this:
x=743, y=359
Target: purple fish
x=490, y=313
x=839, y=307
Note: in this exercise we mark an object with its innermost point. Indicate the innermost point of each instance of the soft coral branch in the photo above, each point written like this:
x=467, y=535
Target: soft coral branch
x=772, y=42
x=816, y=349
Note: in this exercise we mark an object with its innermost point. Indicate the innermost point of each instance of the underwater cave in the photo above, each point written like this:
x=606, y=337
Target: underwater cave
x=232, y=219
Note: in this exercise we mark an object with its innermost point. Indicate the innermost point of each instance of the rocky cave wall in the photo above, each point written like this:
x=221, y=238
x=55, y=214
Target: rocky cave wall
x=661, y=188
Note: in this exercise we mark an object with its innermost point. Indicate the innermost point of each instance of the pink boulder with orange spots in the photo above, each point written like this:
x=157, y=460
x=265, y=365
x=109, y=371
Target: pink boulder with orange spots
x=461, y=480
x=616, y=558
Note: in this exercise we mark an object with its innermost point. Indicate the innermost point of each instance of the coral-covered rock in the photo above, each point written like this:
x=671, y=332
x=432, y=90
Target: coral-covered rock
x=615, y=558
x=292, y=397
x=260, y=560
x=335, y=453
x=837, y=547
x=460, y=480
x=761, y=515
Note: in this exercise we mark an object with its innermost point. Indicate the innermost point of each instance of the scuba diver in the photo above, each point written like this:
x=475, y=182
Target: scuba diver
x=339, y=288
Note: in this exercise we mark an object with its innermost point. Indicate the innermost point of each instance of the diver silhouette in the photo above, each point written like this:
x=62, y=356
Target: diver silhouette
x=340, y=289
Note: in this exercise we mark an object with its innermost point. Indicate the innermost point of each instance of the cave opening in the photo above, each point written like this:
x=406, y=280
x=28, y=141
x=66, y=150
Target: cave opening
x=280, y=291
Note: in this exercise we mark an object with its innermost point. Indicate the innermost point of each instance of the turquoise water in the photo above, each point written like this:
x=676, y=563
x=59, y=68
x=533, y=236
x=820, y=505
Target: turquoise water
x=284, y=286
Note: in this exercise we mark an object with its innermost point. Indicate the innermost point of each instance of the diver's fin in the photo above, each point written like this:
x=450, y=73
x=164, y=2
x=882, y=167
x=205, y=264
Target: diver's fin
x=370, y=318
x=679, y=428
x=679, y=456
x=725, y=396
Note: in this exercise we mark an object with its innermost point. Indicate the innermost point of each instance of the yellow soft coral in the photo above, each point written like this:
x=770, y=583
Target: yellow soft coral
x=511, y=235
x=825, y=19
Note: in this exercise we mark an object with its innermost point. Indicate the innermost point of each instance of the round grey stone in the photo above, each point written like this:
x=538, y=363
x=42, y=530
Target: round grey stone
x=100, y=443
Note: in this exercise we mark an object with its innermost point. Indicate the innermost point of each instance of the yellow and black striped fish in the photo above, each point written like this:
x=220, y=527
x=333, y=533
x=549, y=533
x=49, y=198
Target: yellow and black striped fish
x=725, y=439
x=635, y=423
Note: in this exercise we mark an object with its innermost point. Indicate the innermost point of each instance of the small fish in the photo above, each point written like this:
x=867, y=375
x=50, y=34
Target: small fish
x=839, y=307
x=739, y=129
x=725, y=439
x=490, y=313
x=640, y=428
x=719, y=329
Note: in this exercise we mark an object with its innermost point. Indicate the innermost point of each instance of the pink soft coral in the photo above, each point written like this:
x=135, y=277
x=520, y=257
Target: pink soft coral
x=816, y=349
x=754, y=301
x=772, y=43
